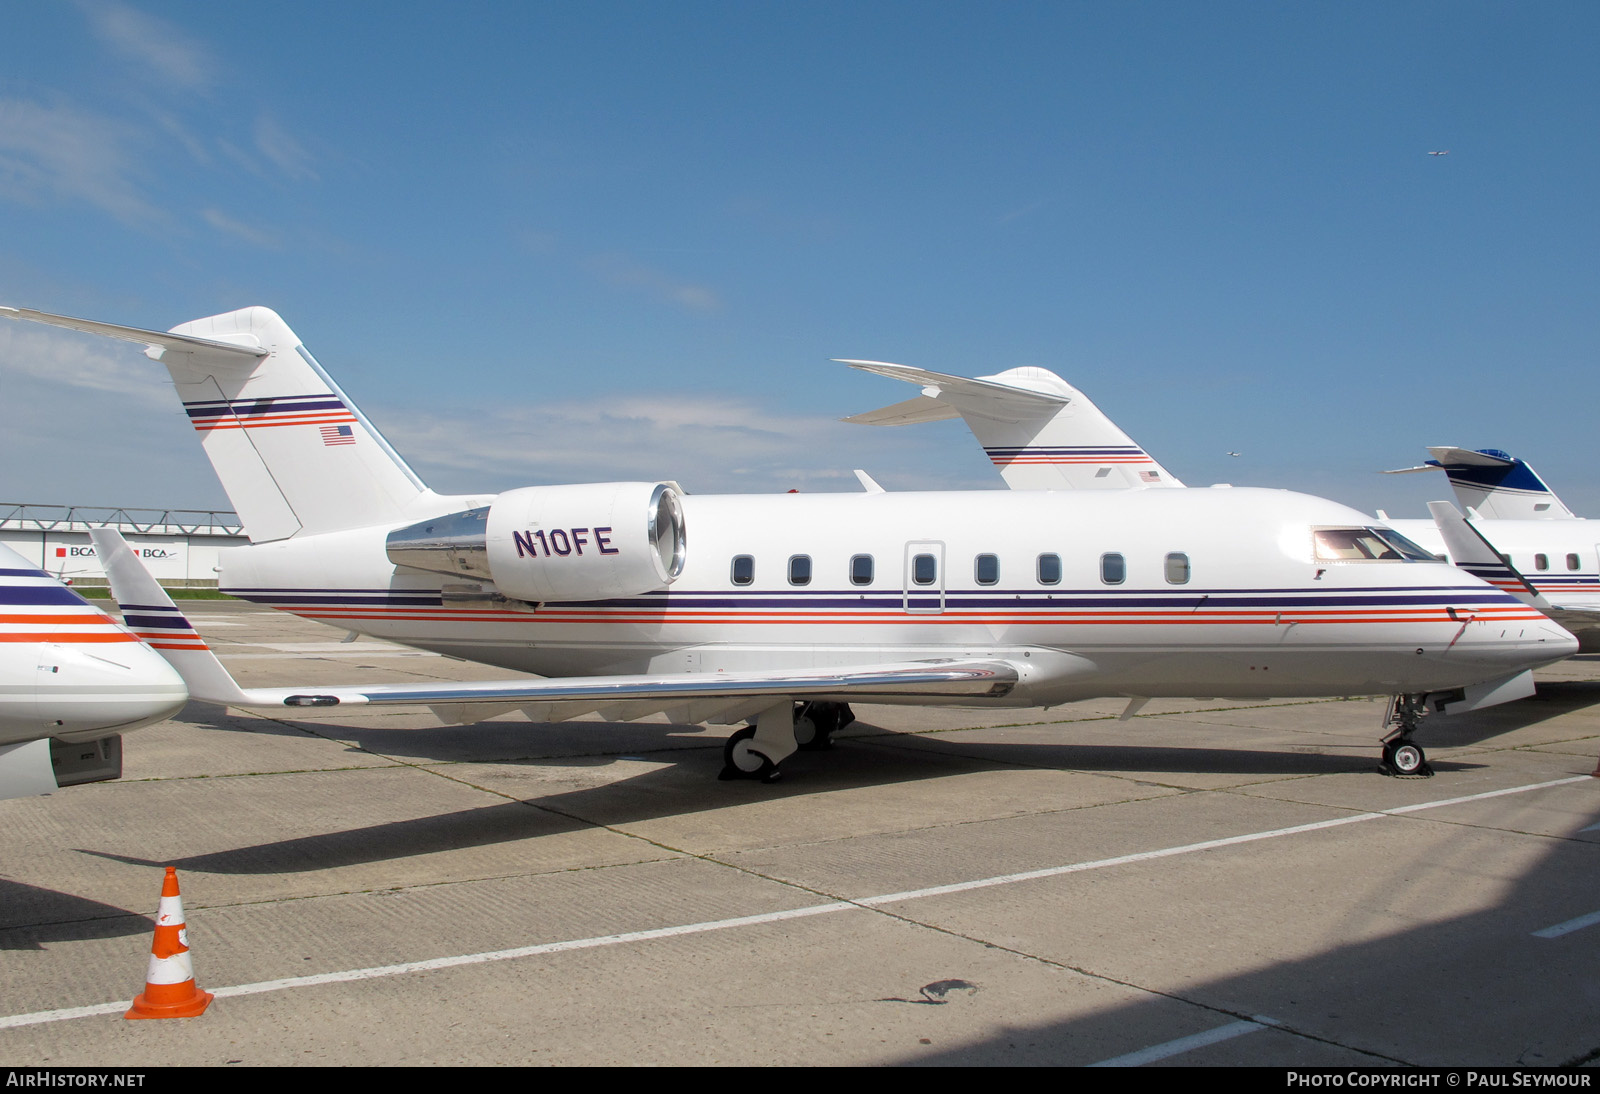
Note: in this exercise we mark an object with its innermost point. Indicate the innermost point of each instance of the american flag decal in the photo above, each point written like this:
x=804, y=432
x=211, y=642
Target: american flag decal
x=1149, y=476
x=338, y=434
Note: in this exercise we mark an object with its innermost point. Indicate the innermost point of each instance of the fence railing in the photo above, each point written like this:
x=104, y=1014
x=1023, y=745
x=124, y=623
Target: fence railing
x=17, y=516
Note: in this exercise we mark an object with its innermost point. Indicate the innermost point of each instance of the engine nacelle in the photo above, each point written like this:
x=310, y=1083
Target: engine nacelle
x=594, y=541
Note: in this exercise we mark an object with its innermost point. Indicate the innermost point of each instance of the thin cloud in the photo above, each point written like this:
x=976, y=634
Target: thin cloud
x=275, y=143
x=68, y=154
x=625, y=272
x=81, y=362
x=155, y=45
x=707, y=444
x=222, y=222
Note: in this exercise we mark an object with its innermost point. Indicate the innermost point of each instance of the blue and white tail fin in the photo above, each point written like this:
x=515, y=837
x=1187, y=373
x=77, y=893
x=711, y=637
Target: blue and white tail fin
x=1494, y=484
x=1040, y=431
x=294, y=454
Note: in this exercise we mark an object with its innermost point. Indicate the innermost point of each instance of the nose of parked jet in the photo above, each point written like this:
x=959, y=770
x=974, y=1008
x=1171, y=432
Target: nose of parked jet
x=82, y=694
x=1511, y=645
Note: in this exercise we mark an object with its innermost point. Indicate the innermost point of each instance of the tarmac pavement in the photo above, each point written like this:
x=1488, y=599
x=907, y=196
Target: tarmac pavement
x=1207, y=883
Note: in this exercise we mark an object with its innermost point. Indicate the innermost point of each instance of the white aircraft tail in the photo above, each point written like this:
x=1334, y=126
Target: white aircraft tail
x=294, y=454
x=1495, y=484
x=1040, y=431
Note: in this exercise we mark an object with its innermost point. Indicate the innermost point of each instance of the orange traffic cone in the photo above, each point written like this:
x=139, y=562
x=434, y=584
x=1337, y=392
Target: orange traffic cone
x=169, y=990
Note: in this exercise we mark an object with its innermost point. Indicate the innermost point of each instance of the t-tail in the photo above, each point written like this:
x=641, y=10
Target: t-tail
x=295, y=455
x=1040, y=431
x=1494, y=484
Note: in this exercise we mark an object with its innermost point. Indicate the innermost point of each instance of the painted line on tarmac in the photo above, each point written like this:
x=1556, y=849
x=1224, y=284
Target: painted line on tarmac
x=1187, y=1044
x=1229, y=841
x=1569, y=926
x=378, y=972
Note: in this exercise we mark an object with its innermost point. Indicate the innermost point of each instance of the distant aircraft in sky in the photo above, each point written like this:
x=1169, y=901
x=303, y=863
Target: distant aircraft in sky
x=637, y=598
x=1441, y=152
x=71, y=680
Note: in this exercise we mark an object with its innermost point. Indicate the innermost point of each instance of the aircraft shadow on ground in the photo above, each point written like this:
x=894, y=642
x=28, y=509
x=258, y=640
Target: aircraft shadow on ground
x=31, y=918
x=687, y=784
x=1476, y=989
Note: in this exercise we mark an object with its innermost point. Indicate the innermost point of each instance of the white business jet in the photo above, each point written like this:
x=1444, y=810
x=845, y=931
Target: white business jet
x=71, y=680
x=636, y=598
x=1045, y=434
x=1544, y=552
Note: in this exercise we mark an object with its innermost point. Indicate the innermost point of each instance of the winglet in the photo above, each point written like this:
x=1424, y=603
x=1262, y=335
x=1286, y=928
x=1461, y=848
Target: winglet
x=1473, y=553
x=149, y=612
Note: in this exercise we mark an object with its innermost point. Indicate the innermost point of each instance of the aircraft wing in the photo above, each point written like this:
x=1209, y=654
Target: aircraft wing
x=683, y=696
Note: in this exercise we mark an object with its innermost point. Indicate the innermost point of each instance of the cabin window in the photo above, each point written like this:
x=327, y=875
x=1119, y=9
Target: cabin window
x=861, y=569
x=1367, y=545
x=744, y=569
x=986, y=569
x=800, y=569
x=1572, y=562
x=1049, y=569
x=924, y=569
x=1177, y=569
x=1113, y=569
x=1541, y=562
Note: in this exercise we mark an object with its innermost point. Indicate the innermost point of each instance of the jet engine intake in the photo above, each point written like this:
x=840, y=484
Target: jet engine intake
x=593, y=541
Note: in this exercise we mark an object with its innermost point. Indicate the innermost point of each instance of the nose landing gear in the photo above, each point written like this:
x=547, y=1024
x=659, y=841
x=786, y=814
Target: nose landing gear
x=1402, y=756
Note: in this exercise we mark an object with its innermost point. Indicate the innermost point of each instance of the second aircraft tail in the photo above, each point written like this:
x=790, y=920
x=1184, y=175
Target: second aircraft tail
x=1038, y=430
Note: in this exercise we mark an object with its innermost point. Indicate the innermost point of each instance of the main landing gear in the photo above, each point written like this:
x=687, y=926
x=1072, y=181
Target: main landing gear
x=1402, y=756
x=784, y=728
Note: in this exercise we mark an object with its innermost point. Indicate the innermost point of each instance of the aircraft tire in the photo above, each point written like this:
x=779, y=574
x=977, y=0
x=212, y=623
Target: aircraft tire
x=741, y=760
x=814, y=724
x=1405, y=757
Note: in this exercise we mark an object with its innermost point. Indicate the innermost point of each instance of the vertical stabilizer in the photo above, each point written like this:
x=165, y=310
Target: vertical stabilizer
x=1495, y=484
x=293, y=453
x=1038, y=430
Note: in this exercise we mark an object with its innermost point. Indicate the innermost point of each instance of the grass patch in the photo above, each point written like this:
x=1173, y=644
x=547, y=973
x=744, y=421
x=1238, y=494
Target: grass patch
x=102, y=592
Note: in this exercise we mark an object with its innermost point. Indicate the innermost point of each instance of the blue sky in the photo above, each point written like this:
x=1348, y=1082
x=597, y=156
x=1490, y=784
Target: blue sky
x=589, y=241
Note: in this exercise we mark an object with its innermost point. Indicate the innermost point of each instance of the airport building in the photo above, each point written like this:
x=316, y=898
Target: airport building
x=179, y=546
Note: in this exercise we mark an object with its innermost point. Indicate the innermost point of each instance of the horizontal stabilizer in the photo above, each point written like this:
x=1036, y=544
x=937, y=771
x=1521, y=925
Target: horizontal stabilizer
x=1037, y=429
x=911, y=412
x=244, y=352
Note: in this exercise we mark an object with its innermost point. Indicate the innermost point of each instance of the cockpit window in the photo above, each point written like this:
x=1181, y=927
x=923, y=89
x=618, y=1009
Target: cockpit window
x=1367, y=545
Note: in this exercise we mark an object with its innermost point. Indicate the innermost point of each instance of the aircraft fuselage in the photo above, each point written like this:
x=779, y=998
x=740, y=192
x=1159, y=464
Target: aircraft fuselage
x=1139, y=593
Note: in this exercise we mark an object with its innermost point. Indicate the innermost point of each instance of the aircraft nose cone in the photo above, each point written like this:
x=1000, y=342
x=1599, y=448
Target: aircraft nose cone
x=1517, y=645
x=113, y=689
